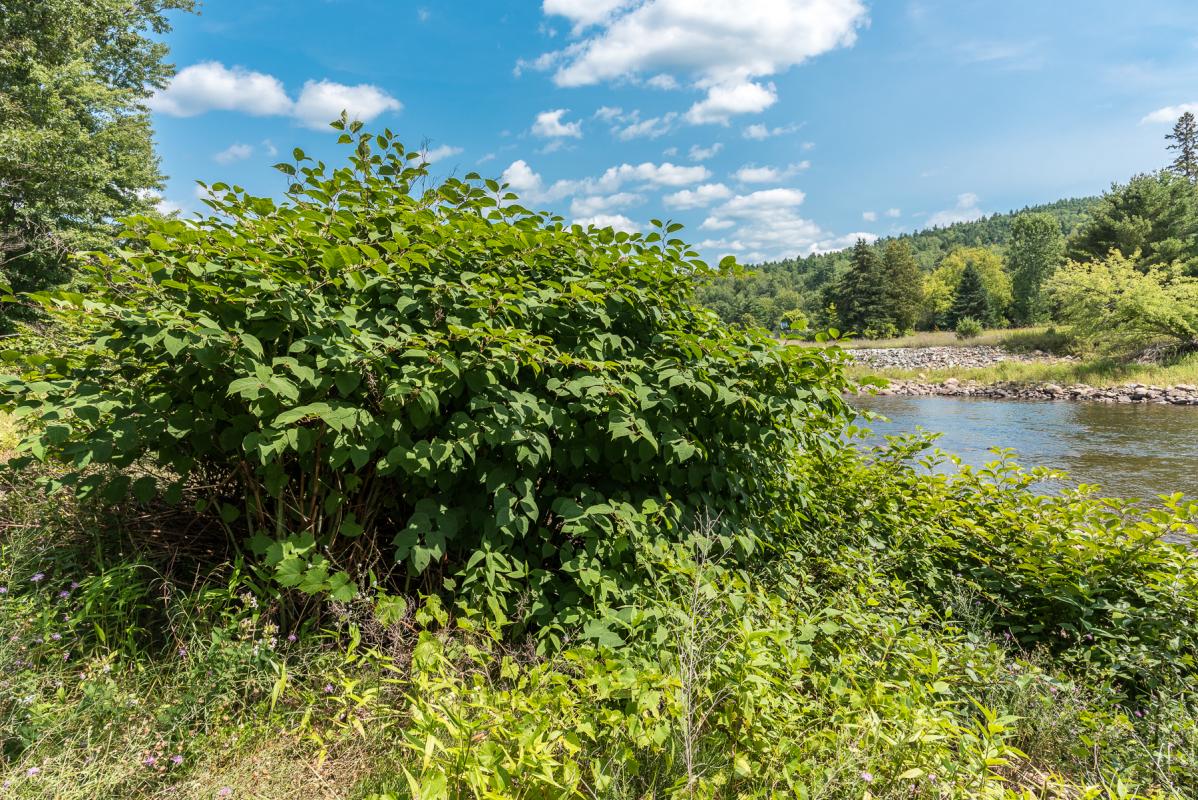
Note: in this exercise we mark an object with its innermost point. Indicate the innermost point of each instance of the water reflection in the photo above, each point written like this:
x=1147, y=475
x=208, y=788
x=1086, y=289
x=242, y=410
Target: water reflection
x=1131, y=450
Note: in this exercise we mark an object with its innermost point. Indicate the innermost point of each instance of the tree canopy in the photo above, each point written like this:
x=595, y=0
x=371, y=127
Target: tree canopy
x=75, y=137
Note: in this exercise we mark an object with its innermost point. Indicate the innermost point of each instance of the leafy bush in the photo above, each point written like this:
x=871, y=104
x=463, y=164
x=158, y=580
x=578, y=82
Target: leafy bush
x=1099, y=583
x=968, y=328
x=1116, y=305
x=440, y=386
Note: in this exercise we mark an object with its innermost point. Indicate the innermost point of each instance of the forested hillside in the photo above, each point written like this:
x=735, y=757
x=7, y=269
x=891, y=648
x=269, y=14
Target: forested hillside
x=775, y=289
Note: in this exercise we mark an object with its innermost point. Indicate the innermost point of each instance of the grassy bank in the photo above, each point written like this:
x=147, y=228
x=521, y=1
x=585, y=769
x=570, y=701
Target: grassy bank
x=1020, y=339
x=1095, y=372
x=838, y=670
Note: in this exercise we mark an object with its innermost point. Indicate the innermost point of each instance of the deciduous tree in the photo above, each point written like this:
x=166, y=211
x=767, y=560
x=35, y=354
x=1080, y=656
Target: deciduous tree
x=1036, y=250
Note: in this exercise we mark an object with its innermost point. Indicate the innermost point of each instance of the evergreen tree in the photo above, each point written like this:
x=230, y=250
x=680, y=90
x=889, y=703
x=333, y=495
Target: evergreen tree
x=903, y=283
x=1037, y=248
x=860, y=294
x=1156, y=214
x=970, y=299
x=76, y=147
x=1185, y=142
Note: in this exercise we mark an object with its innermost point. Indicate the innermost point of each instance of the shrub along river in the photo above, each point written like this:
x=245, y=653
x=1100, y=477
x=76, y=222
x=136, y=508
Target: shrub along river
x=1131, y=450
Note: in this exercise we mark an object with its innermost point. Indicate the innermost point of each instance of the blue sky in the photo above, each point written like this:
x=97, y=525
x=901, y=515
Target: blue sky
x=771, y=128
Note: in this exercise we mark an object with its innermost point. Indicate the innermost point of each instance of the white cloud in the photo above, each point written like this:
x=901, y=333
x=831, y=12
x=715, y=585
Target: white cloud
x=724, y=100
x=662, y=81
x=167, y=207
x=321, y=102
x=759, y=131
x=608, y=113
x=716, y=46
x=584, y=13
x=521, y=178
x=234, y=152
x=651, y=128
x=670, y=152
x=664, y=174
x=1169, y=113
x=441, y=152
x=700, y=197
x=754, y=174
x=594, y=205
x=766, y=224
x=486, y=158
x=618, y=222
x=703, y=153
x=966, y=210
x=869, y=216
x=549, y=125
x=710, y=42
x=893, y=212
x=211, y=86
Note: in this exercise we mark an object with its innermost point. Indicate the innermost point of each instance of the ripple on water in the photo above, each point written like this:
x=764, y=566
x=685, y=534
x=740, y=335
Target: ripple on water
x=1131, y=450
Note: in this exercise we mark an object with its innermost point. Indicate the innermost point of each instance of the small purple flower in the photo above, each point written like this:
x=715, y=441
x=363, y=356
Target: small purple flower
x=176, y=760
x=64, y=594
x=867, y=776
x=66, y=656
x=33, y=771
x=74, y=585
x=182, y=652
x=225, y=791
x=291, y=637
x=56, y=636
x=39, y=577
x=150, y=761
x=1139, y=713
x=328, y=688
x=3, y=590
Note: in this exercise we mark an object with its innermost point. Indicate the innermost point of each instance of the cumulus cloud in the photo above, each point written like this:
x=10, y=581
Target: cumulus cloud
x=549, y=125
x=528, y=183
x=766, y=224
x=1169, y=113
x=700, y=197
x=759, y=131
x=893, y=212
x=714, y=45
x=320, y=102
x=441, y=152
x=234, y=152
x=521, y=178
x=651, y=128
x=617, y=222
x=724, y=100
x=608, y=113
x=869, y=216
x=966, y=210
x=594, y=205
x=703, y=153
x=211, y=86
x=755, y=174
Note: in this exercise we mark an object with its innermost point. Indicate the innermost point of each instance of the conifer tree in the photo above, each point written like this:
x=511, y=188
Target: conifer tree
x=903, y=283
x=860, y=294
x=971, y=299
x=1037, y=248
x=1184, y=140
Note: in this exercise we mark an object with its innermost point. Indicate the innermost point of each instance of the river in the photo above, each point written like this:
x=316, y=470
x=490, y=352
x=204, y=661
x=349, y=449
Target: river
x=1131, y=450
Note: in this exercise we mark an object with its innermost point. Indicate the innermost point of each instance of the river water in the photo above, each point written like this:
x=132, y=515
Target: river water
x=1130, y=450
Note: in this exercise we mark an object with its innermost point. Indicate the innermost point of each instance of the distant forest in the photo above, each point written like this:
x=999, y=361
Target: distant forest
x=774, y=293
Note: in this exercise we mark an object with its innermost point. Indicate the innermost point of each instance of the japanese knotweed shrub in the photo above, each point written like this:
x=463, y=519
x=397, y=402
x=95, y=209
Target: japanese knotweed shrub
x=434, y=384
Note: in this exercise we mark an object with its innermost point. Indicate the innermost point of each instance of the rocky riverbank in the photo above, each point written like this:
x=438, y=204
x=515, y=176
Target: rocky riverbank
x=1179, y=395
x=974, y=356
x=966, y=357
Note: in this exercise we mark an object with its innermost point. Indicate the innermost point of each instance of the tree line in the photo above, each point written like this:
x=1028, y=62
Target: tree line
x=1006, y=269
